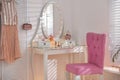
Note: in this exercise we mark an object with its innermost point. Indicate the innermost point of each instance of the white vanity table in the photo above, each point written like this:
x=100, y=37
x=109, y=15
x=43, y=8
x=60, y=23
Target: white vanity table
x=47, y=51
x=52, y=24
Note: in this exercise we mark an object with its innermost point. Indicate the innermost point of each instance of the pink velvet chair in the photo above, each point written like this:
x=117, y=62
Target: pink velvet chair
x=96, y=50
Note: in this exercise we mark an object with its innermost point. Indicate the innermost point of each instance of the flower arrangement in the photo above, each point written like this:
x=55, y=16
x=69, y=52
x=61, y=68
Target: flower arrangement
x=51, y=38
x=52, y=41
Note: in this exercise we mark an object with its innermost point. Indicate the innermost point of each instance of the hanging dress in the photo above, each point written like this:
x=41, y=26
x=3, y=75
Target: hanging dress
x=10, y=49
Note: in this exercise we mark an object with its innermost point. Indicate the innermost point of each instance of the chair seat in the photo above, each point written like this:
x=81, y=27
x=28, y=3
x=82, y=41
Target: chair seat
x=83, y=69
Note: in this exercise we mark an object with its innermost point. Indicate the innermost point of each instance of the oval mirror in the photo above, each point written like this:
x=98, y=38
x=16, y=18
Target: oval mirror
x=51, y=20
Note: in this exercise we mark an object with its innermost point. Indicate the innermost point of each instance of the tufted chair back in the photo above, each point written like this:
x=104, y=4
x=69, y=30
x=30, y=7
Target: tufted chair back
x=96, y=48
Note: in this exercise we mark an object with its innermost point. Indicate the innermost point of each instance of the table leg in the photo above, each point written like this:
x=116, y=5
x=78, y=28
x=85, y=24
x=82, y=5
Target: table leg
x=45, y=59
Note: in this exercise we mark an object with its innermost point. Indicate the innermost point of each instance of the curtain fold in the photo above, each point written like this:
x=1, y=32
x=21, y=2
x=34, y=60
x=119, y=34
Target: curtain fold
x=10, y=50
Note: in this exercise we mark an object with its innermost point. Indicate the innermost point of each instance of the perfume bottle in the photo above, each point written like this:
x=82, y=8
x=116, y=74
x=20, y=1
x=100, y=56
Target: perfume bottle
x=67, y=35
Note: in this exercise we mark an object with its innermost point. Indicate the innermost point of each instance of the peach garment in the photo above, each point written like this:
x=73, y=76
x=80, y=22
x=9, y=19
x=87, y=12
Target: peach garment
x=9, y=42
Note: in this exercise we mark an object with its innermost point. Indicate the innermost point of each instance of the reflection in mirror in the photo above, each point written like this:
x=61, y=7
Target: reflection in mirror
x=47, y=20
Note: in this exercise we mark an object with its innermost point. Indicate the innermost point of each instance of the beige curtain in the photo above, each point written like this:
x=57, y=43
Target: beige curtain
x=9, y=46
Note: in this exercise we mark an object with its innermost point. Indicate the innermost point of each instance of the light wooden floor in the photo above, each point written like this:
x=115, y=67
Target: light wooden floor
x=62, y=60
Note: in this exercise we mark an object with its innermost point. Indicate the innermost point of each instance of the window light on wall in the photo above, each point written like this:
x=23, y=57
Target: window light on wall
x=115, y=30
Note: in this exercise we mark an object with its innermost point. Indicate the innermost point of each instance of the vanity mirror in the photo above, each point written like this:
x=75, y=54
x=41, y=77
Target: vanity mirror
x=51, y=20
x=50, y=23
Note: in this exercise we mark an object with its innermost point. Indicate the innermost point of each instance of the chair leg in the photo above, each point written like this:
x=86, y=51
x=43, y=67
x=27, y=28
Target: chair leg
x=77, y=77
x=101, y=77
x=67, y=75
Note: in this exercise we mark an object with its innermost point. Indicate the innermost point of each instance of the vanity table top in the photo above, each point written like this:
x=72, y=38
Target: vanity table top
x=51, y=51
